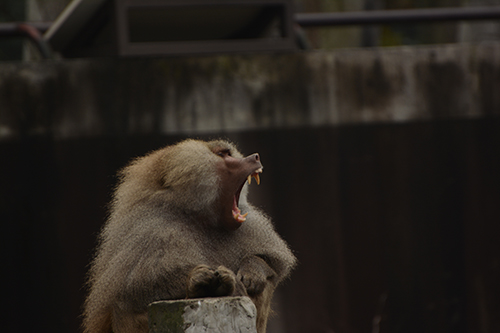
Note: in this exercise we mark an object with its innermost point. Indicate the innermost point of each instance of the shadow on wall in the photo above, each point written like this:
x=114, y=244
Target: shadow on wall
x=395, y=226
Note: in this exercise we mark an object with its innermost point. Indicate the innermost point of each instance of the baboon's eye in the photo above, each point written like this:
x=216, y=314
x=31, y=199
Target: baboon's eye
x=224, y=153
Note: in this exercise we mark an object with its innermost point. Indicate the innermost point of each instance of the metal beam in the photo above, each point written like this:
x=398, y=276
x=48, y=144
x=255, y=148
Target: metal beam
x=12, y=29
x=397, y=16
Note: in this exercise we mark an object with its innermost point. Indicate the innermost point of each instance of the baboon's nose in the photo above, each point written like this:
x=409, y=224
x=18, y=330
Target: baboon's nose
x=255, y=156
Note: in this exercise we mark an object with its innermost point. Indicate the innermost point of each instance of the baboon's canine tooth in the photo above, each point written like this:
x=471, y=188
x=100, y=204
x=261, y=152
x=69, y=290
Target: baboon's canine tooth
x=249, y=178
x=257, y=178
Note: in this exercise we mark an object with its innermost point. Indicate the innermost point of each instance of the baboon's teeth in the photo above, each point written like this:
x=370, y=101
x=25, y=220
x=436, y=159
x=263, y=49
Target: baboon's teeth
x=254, y=175
x=239, y=217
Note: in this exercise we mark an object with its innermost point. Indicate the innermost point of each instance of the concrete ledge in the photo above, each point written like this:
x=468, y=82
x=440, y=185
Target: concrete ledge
x=163, y=96
x=223, y=314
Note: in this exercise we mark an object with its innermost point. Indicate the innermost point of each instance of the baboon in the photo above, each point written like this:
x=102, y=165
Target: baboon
x=180, y=227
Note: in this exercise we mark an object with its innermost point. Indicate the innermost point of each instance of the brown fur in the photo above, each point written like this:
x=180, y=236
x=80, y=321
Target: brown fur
x=170, y=236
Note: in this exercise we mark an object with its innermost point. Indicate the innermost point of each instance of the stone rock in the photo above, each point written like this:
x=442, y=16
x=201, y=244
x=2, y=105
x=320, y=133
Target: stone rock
x=222, y=314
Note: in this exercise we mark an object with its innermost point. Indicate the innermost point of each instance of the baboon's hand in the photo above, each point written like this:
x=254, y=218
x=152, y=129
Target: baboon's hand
x=255, y=274
x=204, y=281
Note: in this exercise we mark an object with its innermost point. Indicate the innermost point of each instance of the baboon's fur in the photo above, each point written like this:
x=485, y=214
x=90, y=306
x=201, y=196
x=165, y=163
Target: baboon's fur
x=167, y=238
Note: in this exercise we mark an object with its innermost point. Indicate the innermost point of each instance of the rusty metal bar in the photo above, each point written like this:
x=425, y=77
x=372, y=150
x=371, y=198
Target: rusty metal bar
x=32, y=31
x=397, y=16
x=12, y=29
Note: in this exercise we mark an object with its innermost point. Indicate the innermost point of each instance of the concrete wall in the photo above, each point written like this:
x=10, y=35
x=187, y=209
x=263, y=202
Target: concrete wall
x=381, y=171
x=98, y=97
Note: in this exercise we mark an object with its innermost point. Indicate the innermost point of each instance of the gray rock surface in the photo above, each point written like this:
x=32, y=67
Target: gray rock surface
x=223, y=314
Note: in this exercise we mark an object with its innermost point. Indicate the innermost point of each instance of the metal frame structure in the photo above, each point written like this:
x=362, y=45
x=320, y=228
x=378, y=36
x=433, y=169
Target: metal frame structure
x=89, y=28
x=126, y=47
x=66, y=27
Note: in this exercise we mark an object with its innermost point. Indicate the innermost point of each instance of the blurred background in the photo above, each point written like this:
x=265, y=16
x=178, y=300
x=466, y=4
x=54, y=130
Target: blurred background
x=380, y=142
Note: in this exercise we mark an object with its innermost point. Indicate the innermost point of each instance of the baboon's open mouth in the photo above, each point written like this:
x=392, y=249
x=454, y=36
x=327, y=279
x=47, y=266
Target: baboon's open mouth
x=236, y=211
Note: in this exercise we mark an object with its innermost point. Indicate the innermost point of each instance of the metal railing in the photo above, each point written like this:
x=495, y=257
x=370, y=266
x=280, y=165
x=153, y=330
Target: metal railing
x=397, y=16
x=34, y=31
